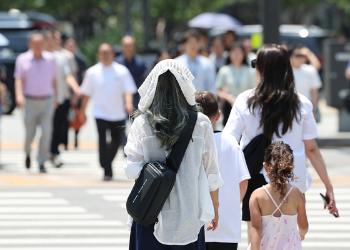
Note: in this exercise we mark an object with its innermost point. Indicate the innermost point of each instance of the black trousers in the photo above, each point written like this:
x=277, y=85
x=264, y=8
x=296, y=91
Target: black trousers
x=221, y=246
x=142, y=238
x=115, y=130
x=60, y=127
x=253, y=183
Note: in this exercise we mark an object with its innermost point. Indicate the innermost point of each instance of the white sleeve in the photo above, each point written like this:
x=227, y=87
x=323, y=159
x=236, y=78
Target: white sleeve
x=309, y=123
x=315, y=78
x=128, y=83
x=243, y=172
x=235, y=124
x=134, y=152
x=87, y=87
x=210, y=158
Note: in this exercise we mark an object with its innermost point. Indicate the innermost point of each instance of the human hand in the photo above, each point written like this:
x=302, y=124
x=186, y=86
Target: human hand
x=214, y=222
x=20, y=101
x=129, y=108
x=331, y=205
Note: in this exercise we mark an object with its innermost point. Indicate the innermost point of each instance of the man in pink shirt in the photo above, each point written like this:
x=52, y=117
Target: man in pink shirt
x=35, y=82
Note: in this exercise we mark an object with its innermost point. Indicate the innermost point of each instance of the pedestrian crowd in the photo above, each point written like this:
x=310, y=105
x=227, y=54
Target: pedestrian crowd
x=265, y=103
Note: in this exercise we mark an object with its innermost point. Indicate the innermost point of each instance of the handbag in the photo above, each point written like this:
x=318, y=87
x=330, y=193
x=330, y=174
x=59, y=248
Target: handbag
x=254, y=154
x=157, y=179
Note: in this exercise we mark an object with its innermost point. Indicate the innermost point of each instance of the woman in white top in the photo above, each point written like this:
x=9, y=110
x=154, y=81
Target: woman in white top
x=276, y=110
x=167, y=95
x=233, y=79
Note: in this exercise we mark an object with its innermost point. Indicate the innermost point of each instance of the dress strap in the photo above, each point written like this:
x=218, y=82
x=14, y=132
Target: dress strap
x=274, y=202
x=270, y=196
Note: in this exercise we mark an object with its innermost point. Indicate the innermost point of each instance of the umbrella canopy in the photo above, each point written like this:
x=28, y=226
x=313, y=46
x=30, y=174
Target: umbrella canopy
x=210, y=20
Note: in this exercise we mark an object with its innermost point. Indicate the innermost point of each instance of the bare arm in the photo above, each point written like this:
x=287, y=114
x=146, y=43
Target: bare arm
x=72, y=83
x=303, y=224
x=84, y=102
x=19, y=92
x=347, y=73
x=312, y=58
x=129, y=102
x=243, y=188
x=222, y=93
x=255, y=216
x=317, y=161
x=314, y=97
x=215, y=199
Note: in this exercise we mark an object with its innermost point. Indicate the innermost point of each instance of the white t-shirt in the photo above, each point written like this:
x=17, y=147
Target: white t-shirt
x=306, y=78
x=244, y=125
x=106, y=85
x=233, y=170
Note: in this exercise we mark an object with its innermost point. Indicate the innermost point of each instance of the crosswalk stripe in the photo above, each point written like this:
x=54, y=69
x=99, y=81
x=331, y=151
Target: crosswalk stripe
x=49, y=216
x=63, y=241
x=65, y=248
x=39, y=210
x=120, y=198
x=60, y=223
x=25, y=195
x=65, y=231
x=27, y=201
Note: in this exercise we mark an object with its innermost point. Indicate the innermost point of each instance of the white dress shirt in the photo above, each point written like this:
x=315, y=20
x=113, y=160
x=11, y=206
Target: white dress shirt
x=203, y=71
x=189, y=204
x=245, y=125
x=107, y=85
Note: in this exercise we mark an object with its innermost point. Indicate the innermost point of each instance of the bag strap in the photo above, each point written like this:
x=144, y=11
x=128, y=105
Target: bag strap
x=177, y=153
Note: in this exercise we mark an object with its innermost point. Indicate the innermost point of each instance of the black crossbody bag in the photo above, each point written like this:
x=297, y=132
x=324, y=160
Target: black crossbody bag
x=157, y=179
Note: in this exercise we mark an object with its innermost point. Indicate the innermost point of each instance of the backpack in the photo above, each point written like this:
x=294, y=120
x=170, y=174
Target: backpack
x=157, y=179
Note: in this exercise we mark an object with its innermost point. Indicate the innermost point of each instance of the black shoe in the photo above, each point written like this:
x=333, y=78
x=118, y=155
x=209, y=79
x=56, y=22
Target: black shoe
x=27, y=162
x=42, y=169
x=107, y=178
x=56, y=161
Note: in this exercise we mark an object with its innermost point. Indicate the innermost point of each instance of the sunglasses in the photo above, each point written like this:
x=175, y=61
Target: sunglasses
x=253, y=63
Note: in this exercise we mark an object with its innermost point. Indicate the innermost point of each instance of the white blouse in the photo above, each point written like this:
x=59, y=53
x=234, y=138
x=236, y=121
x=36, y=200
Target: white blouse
x=189, y=205
x=245, y=125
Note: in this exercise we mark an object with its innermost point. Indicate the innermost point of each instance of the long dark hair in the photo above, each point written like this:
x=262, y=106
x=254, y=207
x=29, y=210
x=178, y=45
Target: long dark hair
x=168, y=113
x=275, y=95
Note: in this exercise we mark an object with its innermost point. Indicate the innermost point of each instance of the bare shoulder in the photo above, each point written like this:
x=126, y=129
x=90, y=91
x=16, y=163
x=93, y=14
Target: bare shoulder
x=297, y=195
x=257, y=194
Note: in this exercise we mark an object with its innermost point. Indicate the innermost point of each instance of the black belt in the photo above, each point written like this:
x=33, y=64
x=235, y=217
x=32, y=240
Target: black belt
x=38, y=97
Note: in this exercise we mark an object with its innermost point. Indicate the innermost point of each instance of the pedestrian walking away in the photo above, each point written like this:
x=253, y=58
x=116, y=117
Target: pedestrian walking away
x=235, y=174
x=278, y=213
x=193, y=201
x=110, y=87
x=275, y=110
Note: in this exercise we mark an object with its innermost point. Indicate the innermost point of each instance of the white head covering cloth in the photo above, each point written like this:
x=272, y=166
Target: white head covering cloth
x=182, y=74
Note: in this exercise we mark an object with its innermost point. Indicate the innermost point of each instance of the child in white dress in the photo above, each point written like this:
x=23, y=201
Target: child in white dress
x=278, y=214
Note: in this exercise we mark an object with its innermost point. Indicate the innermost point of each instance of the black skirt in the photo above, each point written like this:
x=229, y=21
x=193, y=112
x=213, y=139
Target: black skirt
x=253, y=183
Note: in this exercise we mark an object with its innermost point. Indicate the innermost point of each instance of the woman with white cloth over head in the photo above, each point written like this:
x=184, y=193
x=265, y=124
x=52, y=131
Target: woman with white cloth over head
x=167, y=97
